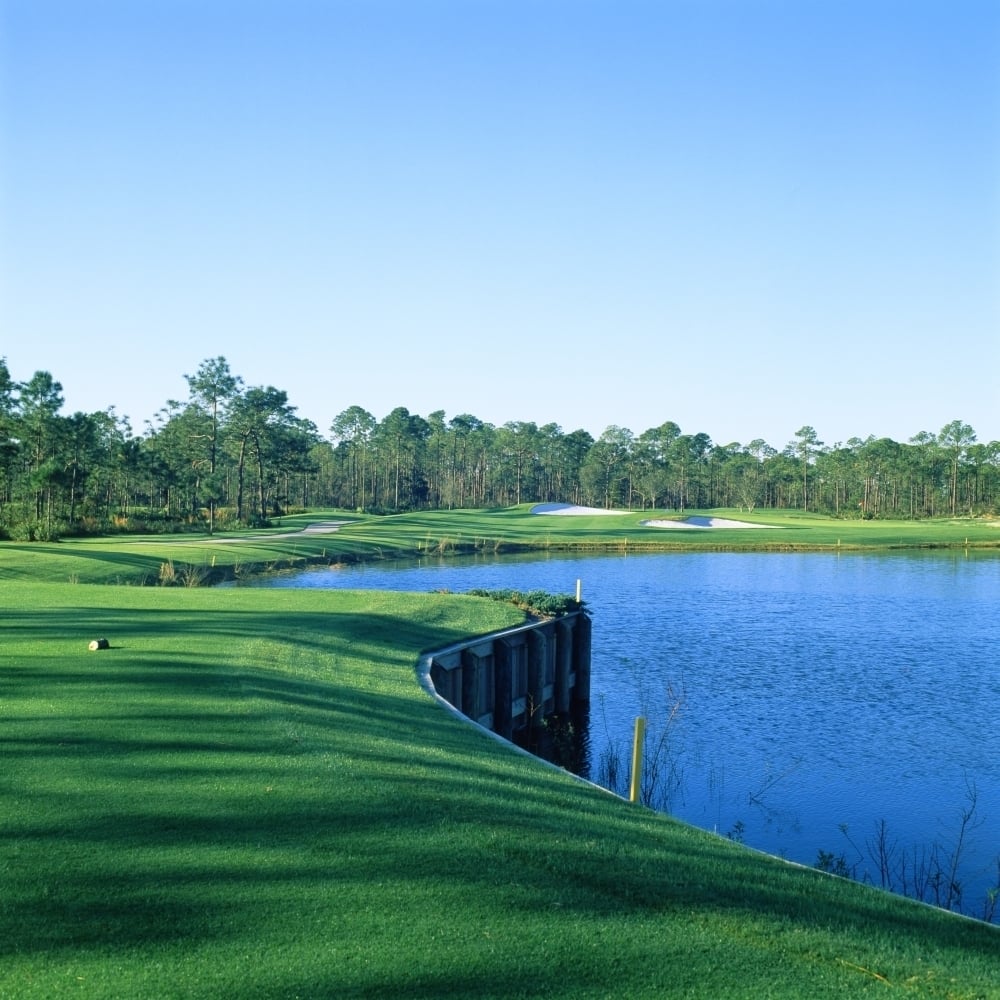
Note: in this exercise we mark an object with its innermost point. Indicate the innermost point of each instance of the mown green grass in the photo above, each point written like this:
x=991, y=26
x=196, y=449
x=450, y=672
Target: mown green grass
x=249, y=795
x=519, y=528
x=198, y=559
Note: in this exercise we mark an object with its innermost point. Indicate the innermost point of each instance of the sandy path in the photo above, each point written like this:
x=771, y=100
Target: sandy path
x=319, y=528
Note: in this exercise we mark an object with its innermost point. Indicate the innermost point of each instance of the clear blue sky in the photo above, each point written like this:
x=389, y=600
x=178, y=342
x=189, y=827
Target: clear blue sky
x=740, y=216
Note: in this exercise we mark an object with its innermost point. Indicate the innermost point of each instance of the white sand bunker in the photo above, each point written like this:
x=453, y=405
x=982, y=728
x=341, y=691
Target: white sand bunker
x=701, y=523
x=693, y=523
x=568, y=508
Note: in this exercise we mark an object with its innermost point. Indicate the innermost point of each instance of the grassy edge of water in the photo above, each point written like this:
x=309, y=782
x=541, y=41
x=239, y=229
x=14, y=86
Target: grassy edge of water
x=260, y=775
x=199, y=560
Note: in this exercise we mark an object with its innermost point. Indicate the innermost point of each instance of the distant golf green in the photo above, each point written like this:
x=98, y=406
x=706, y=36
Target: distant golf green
x=249, y=795
x=294, y=540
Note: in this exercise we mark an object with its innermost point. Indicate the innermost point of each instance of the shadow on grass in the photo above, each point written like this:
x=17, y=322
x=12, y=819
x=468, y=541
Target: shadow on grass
x=136, y=563
x=152, y=797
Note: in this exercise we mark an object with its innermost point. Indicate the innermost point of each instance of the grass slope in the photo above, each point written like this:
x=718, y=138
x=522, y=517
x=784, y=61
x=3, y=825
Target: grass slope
x=196, y=559
x=248, y=795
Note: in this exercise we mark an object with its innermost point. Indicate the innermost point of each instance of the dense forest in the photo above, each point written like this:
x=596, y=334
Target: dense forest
x=236, y=454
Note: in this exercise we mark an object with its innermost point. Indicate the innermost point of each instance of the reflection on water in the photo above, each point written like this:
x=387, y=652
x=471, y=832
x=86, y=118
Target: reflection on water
x=795, y=699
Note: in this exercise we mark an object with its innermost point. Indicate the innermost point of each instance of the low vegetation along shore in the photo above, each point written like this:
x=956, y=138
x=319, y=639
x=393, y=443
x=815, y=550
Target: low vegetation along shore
x=248, y=794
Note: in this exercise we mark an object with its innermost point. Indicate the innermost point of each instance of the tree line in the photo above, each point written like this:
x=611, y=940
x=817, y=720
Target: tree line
x=235, y=454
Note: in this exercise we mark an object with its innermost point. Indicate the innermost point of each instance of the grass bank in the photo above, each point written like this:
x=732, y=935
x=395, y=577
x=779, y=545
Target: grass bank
x=517, y=528
x=196, y=560
x=249, y=795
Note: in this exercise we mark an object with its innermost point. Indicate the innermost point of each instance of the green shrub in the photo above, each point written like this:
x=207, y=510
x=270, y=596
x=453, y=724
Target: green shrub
x=538, y=602
x=36, y=531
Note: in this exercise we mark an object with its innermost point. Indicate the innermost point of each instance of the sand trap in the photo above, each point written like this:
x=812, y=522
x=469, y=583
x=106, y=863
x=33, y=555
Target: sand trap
x=702, y=523
x=568, y=508
x=694, y=523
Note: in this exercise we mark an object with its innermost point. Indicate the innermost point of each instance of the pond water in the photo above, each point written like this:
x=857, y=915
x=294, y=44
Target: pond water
x=794, y=701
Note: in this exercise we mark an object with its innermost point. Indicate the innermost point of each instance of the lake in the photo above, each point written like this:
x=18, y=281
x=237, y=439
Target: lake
x=793, y=701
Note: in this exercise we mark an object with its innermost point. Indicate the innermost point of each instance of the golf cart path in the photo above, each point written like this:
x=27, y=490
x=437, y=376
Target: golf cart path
x=317, y=528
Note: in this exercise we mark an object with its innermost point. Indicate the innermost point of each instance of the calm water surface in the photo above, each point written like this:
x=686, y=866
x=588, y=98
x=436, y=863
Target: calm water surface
x=815, y=694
